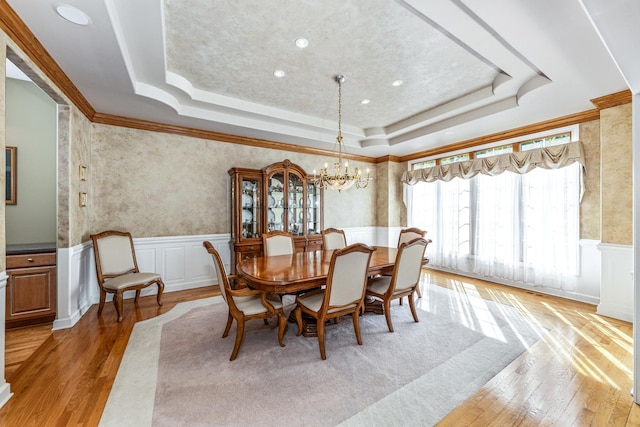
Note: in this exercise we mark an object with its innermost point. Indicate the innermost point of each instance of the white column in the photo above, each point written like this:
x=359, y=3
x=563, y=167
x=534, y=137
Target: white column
x=636, y=239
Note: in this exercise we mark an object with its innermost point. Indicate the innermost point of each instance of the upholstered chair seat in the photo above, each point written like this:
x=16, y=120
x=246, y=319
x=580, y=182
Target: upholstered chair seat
x=253, y=304
x=130, y=279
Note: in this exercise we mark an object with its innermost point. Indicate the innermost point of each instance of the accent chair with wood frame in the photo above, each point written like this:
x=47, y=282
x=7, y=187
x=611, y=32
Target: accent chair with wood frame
x=117, y=269
x=332, y=239
x=404, y=280
x=277, y=242
x=343, y=294
x=245, y=304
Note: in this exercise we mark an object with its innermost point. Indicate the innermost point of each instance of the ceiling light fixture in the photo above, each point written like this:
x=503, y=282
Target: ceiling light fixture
x=397, y=83
x=365, y=101
x=71, y=14
x=279, y=73
x=301, y=42
x=340, y=179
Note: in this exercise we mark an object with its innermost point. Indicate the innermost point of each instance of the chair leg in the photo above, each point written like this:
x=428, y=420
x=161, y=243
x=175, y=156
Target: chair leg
x=103, y=297
x=356, y=325
x=135, y=299
x=387, y=313
x=298, y=313
x=412, y=305
x=117, y=301
x=160, y=291
x=320, y=330
x=228, y=327
x=418, y=291
x=239, y=336
x=282, y=326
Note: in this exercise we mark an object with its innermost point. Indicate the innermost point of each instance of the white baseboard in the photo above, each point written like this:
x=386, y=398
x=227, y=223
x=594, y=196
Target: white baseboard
x=5, y=393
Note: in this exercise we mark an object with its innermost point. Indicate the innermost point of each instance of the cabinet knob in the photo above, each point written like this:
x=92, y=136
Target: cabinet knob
x=30, y=259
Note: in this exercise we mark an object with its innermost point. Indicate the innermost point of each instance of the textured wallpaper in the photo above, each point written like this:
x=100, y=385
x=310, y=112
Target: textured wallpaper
x=157, y=184
x=617, y=176
x=590, y=204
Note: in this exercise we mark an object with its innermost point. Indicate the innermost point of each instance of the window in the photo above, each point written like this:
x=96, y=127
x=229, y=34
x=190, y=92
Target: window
x=454, y=159
x=424, y=165
x=549, y=141
x=519, y=228
x=505, y=149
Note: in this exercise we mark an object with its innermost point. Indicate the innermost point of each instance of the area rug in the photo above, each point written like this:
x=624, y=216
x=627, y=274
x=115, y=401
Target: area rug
x=176, y=368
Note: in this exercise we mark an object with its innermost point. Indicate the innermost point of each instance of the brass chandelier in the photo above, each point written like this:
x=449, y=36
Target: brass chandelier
x=340, y=177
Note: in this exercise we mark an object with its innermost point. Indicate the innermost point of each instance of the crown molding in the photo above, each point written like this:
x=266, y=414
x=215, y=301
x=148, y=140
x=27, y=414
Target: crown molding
x=613, y=100
x=108, y=119
x=585, y=116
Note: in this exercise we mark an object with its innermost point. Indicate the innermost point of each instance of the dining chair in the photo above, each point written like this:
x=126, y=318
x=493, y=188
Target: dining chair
x=277, y=243
x=407, y=235
x=404, y=280
x=117, y=269
x=245, y=304
x=332, y=238
x=343, y=293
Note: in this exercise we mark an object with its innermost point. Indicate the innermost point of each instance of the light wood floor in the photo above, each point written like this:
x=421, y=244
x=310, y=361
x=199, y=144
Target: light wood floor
x=578, y=375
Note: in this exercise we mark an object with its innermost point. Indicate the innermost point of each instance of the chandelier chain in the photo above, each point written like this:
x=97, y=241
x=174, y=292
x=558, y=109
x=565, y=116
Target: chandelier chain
x=341, y=177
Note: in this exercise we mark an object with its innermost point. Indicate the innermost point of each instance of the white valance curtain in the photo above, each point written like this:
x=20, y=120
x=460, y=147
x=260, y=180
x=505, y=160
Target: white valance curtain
x=520, y=227
x=522, y=162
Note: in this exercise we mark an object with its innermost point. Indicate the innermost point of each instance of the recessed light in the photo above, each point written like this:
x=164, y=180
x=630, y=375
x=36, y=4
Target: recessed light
x=279, y=73
x=365, y=101
x=73, y=15
x=301, y=42
x=397, y=83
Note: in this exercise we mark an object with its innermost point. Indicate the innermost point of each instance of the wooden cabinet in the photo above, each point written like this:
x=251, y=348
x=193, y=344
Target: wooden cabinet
x=281, y=197
x=31, y=289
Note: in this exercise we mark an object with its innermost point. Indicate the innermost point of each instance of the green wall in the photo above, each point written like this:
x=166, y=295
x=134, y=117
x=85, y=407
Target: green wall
x=31, y=126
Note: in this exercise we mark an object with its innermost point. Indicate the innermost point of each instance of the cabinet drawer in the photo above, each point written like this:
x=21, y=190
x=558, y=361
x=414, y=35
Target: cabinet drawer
x=314, y=245
x=30, y=260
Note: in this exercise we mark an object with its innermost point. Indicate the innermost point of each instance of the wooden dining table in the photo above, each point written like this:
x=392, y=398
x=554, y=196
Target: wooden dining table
x=288, y=274
x=303, y=271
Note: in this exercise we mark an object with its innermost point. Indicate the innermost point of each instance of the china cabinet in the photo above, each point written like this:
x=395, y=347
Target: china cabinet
x=281, y=197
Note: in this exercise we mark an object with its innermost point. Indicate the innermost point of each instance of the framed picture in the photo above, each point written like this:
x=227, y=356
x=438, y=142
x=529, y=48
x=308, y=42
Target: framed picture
x=82, y=199
x=11, y=180
x=82, y=173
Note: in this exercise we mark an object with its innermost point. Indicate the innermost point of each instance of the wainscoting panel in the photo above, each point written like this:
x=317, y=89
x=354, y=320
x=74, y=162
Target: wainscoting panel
x=366, y=235
x=616, y=282
x=174, y=262
x=184, y=264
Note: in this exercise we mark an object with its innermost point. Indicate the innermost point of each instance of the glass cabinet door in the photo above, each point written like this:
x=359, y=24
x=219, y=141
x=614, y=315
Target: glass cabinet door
x=314, y=209
x=251, y=212
x=296, y=204
x=275, y=202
